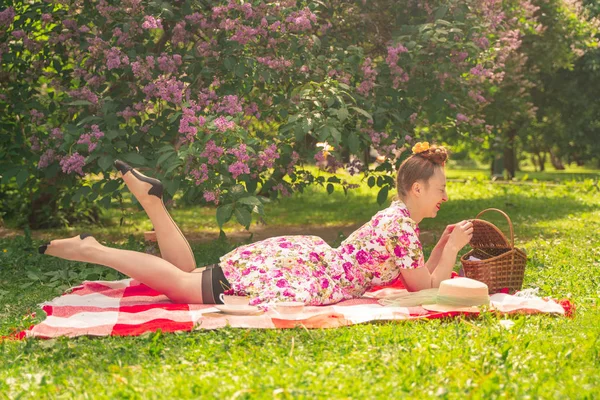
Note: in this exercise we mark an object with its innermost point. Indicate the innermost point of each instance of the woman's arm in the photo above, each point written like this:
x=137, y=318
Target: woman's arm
x=436, y=253
x=421, y=278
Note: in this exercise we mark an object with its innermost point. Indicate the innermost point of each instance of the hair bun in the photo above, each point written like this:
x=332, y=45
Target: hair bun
x=436, y=154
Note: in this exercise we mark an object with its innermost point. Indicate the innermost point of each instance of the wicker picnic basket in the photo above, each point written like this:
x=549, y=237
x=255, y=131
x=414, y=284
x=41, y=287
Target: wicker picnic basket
x=500, y=264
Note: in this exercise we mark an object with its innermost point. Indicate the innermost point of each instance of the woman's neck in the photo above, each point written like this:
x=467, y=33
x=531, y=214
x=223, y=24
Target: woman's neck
x=413, y=209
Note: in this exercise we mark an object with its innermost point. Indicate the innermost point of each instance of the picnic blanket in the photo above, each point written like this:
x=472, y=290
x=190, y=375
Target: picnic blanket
x=130, y=308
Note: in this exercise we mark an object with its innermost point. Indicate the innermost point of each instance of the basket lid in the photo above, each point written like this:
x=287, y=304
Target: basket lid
x=487, y=235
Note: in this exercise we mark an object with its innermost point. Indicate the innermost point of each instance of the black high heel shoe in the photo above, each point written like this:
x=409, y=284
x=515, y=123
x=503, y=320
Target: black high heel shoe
x=42, y=249
x=157, y=186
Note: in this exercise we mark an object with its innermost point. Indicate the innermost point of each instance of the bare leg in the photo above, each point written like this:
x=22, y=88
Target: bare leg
x=172, y=244
x=159, y=274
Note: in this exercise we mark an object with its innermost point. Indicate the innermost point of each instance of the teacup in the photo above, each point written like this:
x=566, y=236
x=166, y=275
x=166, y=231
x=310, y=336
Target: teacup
x=289, y=307
x=232, y=300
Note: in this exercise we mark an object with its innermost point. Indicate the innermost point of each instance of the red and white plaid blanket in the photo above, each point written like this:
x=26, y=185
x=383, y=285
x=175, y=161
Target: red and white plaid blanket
x=129, y=308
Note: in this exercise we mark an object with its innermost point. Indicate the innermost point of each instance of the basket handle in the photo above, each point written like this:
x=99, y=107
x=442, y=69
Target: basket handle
x=510, y=225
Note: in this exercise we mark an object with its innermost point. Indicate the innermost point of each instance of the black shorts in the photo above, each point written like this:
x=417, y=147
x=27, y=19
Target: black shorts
x=213, y=284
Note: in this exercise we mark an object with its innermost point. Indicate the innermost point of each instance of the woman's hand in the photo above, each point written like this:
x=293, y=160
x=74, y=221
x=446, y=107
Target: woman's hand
x=461, y=234
x=445, y=236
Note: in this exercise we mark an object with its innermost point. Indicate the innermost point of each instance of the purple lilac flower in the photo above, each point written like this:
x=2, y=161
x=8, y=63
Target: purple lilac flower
x=238, y=168
x=170, y=90
x=35, y=143
x=267, y=158
x=189, y=124
x=56, y=134
x=179, y=33
x=241, y=153
x=36, y=116
x=461, y=118
x=115, y=57
x=84, y=94
x=230, y=104
x=169, y=64
x=200, y=175
x=370, y=75
x=7, y=16
x=299, y=21
x=47, y=158
x=284, y=191
x=211, y=196
x=73, y=163
x=278, y=64
x=91, y=139
x=223, y=125
x=152, y=23
x=212, y=152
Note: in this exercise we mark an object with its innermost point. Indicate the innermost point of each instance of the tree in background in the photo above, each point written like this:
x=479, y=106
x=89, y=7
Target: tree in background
x=226, y=101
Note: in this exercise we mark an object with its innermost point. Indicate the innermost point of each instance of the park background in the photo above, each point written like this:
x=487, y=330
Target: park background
x=266, y=118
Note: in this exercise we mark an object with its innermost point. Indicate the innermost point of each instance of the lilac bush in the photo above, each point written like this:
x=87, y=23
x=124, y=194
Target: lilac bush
x=226, y=101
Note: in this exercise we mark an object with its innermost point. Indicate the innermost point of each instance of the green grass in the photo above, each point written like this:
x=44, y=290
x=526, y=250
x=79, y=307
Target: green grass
x=540, y=357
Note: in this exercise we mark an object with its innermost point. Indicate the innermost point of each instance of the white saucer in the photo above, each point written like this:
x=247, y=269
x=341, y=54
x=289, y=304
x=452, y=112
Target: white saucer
x=238, y=310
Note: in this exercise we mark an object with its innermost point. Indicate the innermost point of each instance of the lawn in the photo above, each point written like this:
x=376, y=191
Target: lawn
x=557, y=221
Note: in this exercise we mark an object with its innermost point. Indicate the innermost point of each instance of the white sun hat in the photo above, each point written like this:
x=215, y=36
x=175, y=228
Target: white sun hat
x=460, y=294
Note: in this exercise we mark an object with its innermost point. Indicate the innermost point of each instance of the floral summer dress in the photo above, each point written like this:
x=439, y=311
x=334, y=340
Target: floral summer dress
x=306, y=269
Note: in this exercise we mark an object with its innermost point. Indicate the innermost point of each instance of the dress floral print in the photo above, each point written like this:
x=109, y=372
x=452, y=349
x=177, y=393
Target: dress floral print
x=305, y=268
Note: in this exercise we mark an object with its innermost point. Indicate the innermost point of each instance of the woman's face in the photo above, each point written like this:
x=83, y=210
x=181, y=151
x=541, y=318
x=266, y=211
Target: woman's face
x=433, y=194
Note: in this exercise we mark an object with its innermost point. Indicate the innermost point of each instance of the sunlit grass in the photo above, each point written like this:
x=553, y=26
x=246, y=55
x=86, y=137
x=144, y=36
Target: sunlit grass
x=540, y=357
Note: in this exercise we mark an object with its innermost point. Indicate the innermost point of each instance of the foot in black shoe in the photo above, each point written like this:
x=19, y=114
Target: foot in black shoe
x=122, y=167
x=77, y=248
x=156, y=189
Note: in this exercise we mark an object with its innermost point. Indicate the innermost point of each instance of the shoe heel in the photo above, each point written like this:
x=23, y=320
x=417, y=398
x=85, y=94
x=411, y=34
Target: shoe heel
x=42, y=248
x=157, y=186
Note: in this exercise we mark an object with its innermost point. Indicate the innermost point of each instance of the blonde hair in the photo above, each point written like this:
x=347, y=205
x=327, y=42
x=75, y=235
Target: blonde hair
x=419, y=166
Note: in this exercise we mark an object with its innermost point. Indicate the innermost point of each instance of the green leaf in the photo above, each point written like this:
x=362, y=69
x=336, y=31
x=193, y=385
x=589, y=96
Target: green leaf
x=371, y=181
x=9, y=174
x=173, y=117
x=330, y=188
x=382, y=195
x=164, y=157
x=323, y=133
x=80, y=103
x=237, y=191
x=22, y=177
x=335, y=133
x=168, y=147
x=353, y=142
x=111, y=186
x=240, y=71
x=173, y=166
x=105, y=202
x=243, y=216
x=80, y=192
x=135, y=158
x=229, y=63
x=250, y=200
x=224, y=214
x=251, y=185
x=172, y=186
x=342, y=114
x=363, y=112
x=105, y=162
x=88, y=119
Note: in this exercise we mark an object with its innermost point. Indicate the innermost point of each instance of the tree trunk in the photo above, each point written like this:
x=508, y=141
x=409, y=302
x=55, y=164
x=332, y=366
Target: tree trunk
x=543, y=162
x=509, y=155
x=556, y=161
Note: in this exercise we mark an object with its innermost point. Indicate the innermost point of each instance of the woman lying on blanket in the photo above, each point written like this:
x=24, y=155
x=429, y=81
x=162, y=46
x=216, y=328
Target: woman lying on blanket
x=293, y=268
